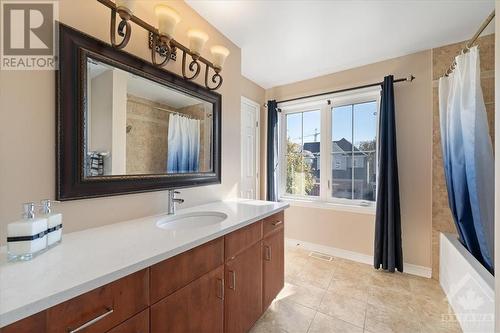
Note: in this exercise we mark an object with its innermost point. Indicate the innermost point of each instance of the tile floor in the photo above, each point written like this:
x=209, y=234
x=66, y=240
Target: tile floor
x=343, y=296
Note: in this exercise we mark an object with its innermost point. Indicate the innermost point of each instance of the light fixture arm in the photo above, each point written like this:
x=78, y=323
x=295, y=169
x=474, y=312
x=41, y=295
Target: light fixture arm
x=194, y=67
x=169, y=45
x=124, y=29
x=216, y=78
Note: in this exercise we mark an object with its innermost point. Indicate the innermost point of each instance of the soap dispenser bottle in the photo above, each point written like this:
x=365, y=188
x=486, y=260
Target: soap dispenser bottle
x=28, y=237
x=54, y=223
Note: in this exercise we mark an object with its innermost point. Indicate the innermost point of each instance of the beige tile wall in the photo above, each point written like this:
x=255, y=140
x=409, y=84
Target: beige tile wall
x=147, y=139
x=441, y=58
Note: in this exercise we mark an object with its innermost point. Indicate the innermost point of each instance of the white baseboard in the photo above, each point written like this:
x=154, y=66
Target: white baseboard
x=356, y=256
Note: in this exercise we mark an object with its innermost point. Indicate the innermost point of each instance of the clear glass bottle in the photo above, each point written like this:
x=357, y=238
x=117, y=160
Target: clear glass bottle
x=28, y=237
x=54, y=223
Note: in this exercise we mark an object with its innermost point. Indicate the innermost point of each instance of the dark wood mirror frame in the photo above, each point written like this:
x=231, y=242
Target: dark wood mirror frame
x=74, y=49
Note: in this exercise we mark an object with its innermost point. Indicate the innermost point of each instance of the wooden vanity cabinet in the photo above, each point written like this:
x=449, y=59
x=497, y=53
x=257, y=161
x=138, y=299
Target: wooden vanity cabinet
x=221, y=286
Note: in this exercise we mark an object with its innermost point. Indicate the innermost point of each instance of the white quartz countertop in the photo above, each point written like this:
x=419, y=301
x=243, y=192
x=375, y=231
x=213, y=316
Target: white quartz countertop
x=94, y=257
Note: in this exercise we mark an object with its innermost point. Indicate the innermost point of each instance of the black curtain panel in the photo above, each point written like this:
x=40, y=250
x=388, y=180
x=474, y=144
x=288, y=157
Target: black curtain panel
x=272, y=150
x=388, y=252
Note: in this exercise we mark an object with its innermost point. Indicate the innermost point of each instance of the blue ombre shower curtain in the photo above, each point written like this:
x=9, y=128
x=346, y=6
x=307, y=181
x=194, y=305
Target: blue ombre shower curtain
x=183, y=153
x=468, y=156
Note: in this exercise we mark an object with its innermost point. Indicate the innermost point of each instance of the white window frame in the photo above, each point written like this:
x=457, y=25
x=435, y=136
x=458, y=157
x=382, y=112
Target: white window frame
x=291, y=109
x=325, y=104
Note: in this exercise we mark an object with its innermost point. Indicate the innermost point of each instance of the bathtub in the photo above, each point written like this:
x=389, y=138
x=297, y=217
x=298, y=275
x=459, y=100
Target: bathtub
x=469, y=287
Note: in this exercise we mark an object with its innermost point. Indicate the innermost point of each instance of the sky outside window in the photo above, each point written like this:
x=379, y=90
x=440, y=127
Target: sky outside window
x=365, y=124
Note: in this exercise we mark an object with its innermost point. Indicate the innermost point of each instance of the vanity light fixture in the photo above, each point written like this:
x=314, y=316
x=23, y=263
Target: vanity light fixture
x=167, y=20
x=162, y=43
x=220, y=54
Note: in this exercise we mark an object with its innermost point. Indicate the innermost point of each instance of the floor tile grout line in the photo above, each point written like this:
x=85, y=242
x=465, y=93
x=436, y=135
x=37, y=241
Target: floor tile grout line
x=342, y=320
x=297, y=303
x=310, y=324
x=364, y=322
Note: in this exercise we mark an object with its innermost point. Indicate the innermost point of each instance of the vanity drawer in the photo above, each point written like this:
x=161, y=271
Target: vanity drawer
x=273, y=222
x=137, y=324
x=34, y=323
x=103, y=308
x=241, y=239
x=174, y=273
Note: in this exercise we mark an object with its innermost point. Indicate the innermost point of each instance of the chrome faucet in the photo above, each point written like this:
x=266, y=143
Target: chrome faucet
x=172, y=200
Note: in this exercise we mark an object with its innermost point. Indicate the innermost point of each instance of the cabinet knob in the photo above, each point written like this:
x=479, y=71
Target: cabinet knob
x=233, y=280
x=267, y=253
x=277, y=223
x=221, y=289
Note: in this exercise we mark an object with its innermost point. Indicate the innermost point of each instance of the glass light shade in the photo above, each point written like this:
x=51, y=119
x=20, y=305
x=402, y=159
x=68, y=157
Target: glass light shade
x=127, y=4
x=219, y=54
x=167, y=20
x=197, y=40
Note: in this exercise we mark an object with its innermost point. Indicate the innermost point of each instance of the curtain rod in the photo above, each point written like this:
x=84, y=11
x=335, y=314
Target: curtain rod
x=409, y=78
x=468, y=45
x=162, y=109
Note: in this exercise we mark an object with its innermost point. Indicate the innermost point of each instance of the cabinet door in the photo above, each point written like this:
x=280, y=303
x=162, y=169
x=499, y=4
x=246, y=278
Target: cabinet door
x=196, y=308
x=243, y=301
x=273, y=248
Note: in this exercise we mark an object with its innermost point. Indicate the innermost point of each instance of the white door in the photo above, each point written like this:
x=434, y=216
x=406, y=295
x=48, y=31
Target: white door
x=249, y=182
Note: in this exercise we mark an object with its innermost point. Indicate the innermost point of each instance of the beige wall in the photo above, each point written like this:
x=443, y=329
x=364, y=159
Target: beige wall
x=353, y=231
x=442, y=57
x=253, y=91
x=27, y=143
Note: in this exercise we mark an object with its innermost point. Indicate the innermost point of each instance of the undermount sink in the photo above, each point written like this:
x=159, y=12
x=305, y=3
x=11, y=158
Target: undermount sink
x=191, y=220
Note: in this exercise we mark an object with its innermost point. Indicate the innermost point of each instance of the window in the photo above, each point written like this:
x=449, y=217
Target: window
x=302, y=153
x=354, y=135
x=343, y=130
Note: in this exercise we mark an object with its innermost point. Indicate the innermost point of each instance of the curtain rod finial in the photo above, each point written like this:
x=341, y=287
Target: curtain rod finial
x=410, y=78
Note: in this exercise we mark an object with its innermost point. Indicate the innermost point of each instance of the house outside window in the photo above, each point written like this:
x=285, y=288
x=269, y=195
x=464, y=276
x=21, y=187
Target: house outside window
x=328, y=149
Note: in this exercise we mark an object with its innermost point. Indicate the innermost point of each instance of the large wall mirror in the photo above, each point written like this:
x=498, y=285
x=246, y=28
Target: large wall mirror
x=136, y=126
x=127, y=126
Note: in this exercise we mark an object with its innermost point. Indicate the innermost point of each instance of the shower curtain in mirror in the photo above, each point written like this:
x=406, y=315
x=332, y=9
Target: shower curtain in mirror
x=468, y=156
x=183, y=152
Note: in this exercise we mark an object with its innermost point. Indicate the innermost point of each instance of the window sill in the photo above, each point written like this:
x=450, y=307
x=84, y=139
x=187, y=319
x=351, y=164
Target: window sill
x=295, y=202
